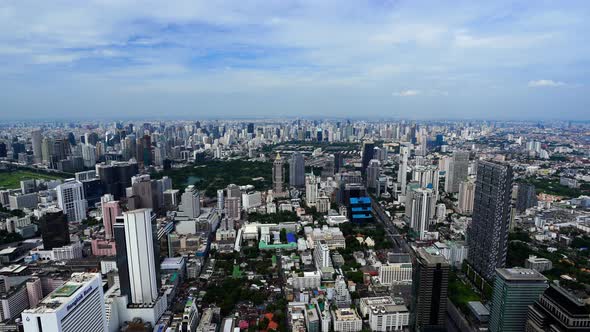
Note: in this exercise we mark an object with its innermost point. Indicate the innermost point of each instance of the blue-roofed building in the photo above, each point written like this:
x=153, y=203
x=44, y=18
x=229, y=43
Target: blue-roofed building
x=358, y=203
x=291, y=238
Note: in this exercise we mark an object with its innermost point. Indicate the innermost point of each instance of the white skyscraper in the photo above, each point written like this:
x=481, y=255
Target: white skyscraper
x=76, y=306
x=421, y=210
x=70, y=198
x=404, y=151
x=191, y=202
x=89, y=155
x=322, y=255
x=220, y=200
x=140, y=256
x=311, y=190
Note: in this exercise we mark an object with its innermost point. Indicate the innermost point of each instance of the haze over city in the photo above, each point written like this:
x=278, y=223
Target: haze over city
x=374, y=59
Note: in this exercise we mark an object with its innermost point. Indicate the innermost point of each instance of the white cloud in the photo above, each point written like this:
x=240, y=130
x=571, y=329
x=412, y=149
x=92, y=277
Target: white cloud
x=545, y=83
x=407, y=93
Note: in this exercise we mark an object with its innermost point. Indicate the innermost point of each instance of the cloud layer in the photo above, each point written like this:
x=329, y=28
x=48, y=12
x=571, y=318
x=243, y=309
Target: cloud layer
x=117, y=58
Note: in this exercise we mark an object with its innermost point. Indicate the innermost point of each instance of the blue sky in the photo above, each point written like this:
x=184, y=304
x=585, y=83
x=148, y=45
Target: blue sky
x=383, y=59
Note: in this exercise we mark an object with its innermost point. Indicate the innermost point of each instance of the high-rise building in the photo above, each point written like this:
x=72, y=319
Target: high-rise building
x=367, y=153
x=458, y=171
x=111, y=209
x=514, y=291
x=487, y=236
x=419, y=202
x=321, y=254
x=402, y=174
x=558, y=309
x=373, y=174
x=233, y=207
x=311, y=190
x=37, y=141
x=47, y=150
x=141, y=267
x=89, y=155
x=70, y=198
x=3, y=150
x=116, y=177
x=76, y=306
x=526, y=197
x=430, y=282
x=278, y=174
x=466, y=197
x=220, y=200
x=297, y=170
x=191, y=202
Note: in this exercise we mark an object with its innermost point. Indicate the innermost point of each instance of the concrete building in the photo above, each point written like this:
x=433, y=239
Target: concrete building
x=278, y=174
x=487, y=236
x=558, y=309
x=466, y=197
x=515, y=290
x=431, y=279
x=383, y=314
x=458, y=171
x=76, y=306
x=537, y=263
x=70, y=199
x=395, y=273
x=346, y=320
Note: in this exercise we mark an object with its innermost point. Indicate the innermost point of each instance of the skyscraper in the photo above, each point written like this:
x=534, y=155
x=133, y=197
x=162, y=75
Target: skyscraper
x=430, y=282
x=373, y=174
x=297, y=170
x=458, y=171
x=36, y=141
x=47, y=150
x=311, y=190
x=141, y=256
x=278, y=174
x=487, y=237
x=402, y=174
x=70, y=198
x=110, y=211
x=526, y=197
x=191, y=202
x=54, y=229
x=367, y=153
x=466, y=197
x=514, y=291
x=419, y=201
x=116, y=177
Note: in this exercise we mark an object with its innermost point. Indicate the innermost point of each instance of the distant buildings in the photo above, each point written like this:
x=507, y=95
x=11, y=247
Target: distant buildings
x=487, y=237
x=526, y=198
x=466, y=197
x=458, y=171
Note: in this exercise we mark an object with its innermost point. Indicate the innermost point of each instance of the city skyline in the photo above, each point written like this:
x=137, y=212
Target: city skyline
x=381, y=59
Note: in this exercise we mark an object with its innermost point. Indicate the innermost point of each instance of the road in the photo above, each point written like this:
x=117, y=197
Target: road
x=391, y=230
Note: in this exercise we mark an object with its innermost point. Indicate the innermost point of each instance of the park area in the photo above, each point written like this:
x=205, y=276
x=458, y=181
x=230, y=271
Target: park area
x=12, y=179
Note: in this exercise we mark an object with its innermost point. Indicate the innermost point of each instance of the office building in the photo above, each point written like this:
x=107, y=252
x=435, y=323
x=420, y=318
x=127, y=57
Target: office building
x=297, y=170
x=419, y=203
x=116, y=177
x=515, y=290
x=191, y=202
x=278, y=174
x=526, y=197
x=37, y=142
x=70, y=199
x=466, y=197
x=458, y=171
x=233, y=208
x=373, y=174
x=89, y=155
x=367, y=153
x=538, y=263
x=402, y=174
x=346, y=320
x=384, y=314
x=487, y=236
x=141, y=256
x=395, y=273
x=558, y=309
x=321, y=255
x=54, y=229
x=431, y=279
x=311, y=190
x=111, y=209
x=76, y=306
x=13, y=301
